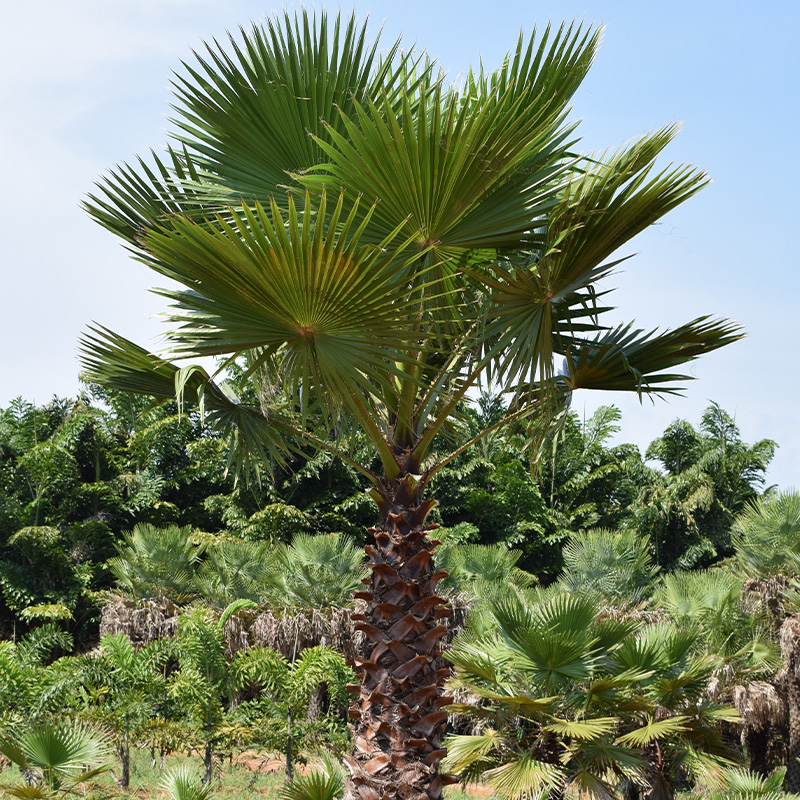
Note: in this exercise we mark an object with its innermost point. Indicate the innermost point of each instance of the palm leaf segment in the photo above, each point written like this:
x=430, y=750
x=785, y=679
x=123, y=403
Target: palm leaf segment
x=473, y=254
x=302, y=284
x=243, y=120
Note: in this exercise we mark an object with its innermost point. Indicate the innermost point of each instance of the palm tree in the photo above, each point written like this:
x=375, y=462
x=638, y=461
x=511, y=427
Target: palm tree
x=372, y=244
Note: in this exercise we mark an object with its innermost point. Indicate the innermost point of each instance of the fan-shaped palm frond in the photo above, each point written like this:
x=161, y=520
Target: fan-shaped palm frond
x=243, y=119
x=156, y=562
x=62, y=755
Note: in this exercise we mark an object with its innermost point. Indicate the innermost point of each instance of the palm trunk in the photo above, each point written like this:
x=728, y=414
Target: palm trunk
x=125, y=754
x=793, y=707
x=790, y=650
x=289, y=769
x=208, y=762
x=398, y=721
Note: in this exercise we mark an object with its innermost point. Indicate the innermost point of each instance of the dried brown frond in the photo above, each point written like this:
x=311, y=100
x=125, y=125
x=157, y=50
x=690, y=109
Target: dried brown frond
x=769, y=593
x=790, y=645
x=759, y=704
x=142, y=621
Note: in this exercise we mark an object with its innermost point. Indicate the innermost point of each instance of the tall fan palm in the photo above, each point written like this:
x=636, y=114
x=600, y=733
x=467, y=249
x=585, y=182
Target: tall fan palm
x=373, y=243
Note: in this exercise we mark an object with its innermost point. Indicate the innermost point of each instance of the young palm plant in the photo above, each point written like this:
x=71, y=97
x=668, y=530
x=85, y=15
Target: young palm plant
x=55, y=759
x=575, y=704
x=372, y=244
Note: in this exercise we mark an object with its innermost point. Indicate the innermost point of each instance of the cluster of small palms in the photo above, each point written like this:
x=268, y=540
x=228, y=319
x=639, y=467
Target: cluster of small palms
x=600, y=686
x=170, y=695
x=313, y=571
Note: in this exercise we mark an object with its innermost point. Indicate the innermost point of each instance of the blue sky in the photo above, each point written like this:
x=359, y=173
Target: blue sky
x=84, y=84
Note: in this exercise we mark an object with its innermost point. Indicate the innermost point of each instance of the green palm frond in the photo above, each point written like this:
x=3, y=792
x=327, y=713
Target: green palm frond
x=446, y=161
x=338, y=310
x=475, y=659
x=586, y=783
x=617, y=564
x=156, y=562
x=316, y=571
x=629, y=360
x=525, y=776
x=597, y=213
x=587, y=729
x=232, y=570
x=463, y=751
x=256, y=442
x=63, y=755
x=653, y=729
x=243, y=119
x=741, y=784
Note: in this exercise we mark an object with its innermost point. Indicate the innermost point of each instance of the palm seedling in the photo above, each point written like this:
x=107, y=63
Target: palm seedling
x=326, y=782
x=338, y=216
x=183, y=783
x=54, y=760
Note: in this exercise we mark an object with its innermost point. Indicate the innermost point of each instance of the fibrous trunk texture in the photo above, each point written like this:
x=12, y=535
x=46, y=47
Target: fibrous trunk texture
x=398, y=718
x=790, y=650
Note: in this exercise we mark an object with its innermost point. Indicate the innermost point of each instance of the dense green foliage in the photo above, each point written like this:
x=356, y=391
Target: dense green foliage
x=101, y=499
x=104, y=490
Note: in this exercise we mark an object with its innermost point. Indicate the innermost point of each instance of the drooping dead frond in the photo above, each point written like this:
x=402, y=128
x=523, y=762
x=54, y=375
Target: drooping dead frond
x=790, y=645
x=292, y=631
x=142, y=621
x=759, y=704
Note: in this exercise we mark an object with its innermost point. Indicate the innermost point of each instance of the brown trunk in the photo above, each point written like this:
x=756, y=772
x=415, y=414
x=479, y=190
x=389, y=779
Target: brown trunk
x=759, y=744
x=793, y=764
x=790, y=650
x=398, y=720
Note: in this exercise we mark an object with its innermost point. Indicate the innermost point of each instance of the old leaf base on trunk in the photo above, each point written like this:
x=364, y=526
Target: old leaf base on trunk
x=398, y=720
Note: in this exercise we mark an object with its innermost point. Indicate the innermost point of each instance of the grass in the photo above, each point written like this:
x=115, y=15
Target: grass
x=250, y=775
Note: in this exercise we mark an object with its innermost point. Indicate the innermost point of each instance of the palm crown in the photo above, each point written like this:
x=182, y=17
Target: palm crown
x=387, y=240
x=374, y=242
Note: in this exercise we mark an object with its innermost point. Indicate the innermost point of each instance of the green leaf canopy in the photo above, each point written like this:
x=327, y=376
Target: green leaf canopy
x=385, y=241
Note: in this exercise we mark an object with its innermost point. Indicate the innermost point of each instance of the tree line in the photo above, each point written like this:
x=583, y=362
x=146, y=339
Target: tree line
x=77, y=476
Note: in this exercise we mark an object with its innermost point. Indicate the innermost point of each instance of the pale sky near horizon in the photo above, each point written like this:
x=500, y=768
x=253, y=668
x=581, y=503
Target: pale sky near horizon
x=84, y=85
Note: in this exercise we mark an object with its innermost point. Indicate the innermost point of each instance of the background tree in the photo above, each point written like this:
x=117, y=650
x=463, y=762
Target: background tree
x=710, y=476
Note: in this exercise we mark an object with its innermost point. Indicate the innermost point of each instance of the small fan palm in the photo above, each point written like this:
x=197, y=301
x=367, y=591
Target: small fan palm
x=741, y=784
x=471, y=567
x=767, y=536
x=59, y=757
x=316, y=571
x=184, y=783
x=616, y=565
x=326, y=782
x=156, y=562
